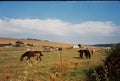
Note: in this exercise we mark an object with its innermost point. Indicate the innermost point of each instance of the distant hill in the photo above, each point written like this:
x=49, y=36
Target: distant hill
x=106, y=45
x=35, y=42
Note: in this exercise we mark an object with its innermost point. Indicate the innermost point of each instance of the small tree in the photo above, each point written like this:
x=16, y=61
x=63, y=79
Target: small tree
x=29, y=44
x=10, y=43
x=79, y=45
x=19, y=43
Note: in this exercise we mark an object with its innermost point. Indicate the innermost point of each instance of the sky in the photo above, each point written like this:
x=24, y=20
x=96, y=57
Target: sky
x=84, y=22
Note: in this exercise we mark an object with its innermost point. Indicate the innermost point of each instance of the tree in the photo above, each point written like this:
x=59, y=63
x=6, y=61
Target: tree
x=19, y=43
x=29, y=44
x=79, y=45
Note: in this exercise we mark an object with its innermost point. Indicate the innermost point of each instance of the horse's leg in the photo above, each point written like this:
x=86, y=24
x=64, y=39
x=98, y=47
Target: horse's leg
x=81, y=55
x=36, y=59
x=89, y=55
x=40, y=58
x=86, y=55
x=28, y=60
x=92, y=52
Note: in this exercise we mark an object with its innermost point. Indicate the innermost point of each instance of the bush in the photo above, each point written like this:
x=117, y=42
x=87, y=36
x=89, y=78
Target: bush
x=113, y=62
x=111, y=69
x=29, y=44
x=19, y=43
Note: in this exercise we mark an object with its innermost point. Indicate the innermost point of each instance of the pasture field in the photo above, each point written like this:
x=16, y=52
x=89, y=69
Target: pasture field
x=71, y=68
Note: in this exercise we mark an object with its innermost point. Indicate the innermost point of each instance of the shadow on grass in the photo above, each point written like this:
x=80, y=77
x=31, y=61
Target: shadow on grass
x=90, y=75
x=76, y=57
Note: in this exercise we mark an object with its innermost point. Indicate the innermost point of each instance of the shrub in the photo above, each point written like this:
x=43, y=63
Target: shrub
x=111, y=69
x=113, y=62
x=19, y=43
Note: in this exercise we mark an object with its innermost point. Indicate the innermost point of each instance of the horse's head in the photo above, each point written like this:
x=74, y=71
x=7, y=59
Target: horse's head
x=23, y=55
x=21, y=59
x=80, y=51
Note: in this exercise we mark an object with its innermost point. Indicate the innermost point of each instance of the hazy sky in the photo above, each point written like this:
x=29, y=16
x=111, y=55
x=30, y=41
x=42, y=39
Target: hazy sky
x=85, y=22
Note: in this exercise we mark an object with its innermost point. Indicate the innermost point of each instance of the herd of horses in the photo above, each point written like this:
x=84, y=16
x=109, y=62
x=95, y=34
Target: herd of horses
x=38, y=54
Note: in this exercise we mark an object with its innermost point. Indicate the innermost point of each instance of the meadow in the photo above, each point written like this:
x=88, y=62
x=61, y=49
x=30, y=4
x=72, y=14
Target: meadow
x=53, y=68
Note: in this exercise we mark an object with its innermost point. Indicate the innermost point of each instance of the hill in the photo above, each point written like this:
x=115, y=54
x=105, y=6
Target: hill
x=35, y=42
x=106, y=45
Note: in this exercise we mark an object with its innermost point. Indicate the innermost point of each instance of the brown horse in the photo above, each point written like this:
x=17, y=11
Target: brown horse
x=30, y=54
x=86, y=52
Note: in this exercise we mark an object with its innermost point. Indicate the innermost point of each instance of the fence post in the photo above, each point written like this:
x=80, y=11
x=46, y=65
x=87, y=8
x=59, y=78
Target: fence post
x=60, y=49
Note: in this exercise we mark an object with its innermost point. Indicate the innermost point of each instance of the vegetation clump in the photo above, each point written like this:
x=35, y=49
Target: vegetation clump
x=19, y=43
x=113, y=62
x=111, y=69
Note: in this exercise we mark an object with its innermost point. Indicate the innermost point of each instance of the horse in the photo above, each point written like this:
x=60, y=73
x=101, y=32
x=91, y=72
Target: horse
x=92, y=51
x=86, y=52
x=30, y=54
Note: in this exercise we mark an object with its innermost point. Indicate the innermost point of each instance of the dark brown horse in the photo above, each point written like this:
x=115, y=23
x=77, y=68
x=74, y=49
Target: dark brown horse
x=86, y=52
x=30, y=54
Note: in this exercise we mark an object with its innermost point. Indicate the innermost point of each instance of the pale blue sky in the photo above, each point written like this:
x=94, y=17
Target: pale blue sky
x=67, y=19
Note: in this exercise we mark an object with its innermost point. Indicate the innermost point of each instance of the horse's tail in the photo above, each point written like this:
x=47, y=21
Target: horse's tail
x=22, y=57
x=40, y=53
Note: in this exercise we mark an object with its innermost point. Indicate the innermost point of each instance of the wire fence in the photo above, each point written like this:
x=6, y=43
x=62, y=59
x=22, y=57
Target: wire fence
x=11, y=51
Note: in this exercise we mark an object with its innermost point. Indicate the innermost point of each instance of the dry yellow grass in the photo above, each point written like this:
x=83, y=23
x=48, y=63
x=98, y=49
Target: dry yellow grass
x=73, y=68
x=36, y=42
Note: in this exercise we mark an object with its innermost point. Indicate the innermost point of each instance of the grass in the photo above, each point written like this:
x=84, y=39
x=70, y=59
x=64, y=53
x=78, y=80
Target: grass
x=73, y=68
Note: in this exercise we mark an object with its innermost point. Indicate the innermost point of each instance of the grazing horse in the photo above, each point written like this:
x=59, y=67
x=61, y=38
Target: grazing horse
x=30, y=54
x=86, y=52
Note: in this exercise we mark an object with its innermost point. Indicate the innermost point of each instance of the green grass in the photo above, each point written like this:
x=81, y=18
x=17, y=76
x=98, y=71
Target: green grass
x=73, y=68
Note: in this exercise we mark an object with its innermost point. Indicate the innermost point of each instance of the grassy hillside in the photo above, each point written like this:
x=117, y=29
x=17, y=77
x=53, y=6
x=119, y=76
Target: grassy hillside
x=53, y=68
x=36, y=42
